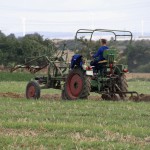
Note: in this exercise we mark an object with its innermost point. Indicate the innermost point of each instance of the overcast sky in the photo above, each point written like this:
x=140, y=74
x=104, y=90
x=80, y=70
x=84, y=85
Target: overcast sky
x=70, y=15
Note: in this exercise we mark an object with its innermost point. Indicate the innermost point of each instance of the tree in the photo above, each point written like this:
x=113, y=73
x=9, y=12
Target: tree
x=15, y=50
x=138, y=54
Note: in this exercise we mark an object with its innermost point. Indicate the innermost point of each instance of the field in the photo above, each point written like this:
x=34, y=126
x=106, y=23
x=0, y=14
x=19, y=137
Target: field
x=50, y=123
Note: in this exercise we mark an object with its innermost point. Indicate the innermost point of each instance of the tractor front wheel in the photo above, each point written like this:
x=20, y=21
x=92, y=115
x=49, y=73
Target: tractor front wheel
x=33, y=90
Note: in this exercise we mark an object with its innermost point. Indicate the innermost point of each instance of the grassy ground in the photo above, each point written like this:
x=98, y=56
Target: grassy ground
x=141, y=86
x=16, y=76
x=79, y=124
x=83, y=124
x=19, y=87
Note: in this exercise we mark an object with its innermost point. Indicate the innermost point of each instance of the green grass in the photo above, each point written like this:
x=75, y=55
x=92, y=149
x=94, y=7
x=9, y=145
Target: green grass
x=141, y=86
x=28, y=124
x=17, y=81
x=83, y=124
x=15, y=76
x=20, y=87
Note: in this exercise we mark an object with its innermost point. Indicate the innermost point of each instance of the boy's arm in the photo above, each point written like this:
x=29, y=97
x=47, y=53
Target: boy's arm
x=97, y=54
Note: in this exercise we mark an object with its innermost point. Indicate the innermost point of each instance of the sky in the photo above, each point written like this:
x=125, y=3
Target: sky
x=69, y=15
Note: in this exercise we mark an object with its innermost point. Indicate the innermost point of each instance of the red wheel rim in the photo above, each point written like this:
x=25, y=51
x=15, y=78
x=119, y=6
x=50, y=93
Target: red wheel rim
x=74, y=86
x=31, y=91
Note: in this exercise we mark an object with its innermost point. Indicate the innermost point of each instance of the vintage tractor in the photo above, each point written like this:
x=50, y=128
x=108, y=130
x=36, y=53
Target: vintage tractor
x=107, y=78
x=77, y=79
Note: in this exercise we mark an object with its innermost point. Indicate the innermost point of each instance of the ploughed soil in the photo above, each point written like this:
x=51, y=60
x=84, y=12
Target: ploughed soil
x=11, y=95
x=142, y=97
x=44, y=96
x=17, y=95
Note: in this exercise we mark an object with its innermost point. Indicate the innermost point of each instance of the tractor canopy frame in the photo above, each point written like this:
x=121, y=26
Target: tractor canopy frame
x=114, y=32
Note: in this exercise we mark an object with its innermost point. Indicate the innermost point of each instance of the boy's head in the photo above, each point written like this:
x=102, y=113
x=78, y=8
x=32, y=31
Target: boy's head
x=103, y=41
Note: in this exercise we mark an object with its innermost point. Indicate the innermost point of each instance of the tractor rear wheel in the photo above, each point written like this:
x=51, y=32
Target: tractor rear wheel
x=123, y=85
x=87, y=88
x=77, y=85
x=33, y=90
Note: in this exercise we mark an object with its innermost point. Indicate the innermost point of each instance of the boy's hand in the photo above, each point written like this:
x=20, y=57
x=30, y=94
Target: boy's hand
x=91, y=54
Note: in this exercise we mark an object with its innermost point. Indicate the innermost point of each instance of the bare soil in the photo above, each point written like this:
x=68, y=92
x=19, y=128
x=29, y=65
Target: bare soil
x=17, y=95
x=44, y=96
x=11, y=95
x=142, y=97
x=138, y=75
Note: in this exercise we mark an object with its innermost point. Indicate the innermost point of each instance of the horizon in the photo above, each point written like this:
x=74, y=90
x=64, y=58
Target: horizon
x=71, y=35
x=67, y=15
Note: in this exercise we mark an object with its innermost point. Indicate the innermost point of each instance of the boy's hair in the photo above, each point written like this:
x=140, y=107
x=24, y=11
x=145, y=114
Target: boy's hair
x=104, y=41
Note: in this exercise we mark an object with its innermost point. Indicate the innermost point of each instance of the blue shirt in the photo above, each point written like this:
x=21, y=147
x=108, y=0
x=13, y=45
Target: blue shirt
x=99, y=53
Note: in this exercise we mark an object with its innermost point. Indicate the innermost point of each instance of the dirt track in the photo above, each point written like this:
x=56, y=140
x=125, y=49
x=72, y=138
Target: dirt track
x=11, y=95
x=17, y=95
x=44, y=96
x=138, y=75
x=142, y=97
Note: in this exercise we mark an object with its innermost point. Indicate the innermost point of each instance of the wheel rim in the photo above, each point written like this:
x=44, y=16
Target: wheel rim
x=74, y=86
x=31, y=91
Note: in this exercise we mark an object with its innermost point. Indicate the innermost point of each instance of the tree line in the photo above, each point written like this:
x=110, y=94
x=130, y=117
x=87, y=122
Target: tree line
x=136, y=55
x=15, y=50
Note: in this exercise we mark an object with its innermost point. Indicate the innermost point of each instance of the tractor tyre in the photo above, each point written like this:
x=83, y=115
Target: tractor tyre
x=63, y=95
x=77, y=85
x=87, y=88
x=33, y=90
x=123, y=85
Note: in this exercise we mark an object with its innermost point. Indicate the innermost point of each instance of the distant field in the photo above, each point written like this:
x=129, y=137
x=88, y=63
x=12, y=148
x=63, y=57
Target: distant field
x=138, y=75
x=24, y=76
x=48, y=124
x=16, y=82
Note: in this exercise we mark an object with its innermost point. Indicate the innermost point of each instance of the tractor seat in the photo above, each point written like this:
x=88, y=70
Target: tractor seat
x=103, y=61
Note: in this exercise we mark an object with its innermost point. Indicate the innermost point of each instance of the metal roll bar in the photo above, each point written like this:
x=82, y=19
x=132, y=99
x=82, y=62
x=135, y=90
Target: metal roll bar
x=115, y=32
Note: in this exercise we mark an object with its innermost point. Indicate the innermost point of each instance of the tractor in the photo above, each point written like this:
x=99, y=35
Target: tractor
x=107, y=78
x=77, y=79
